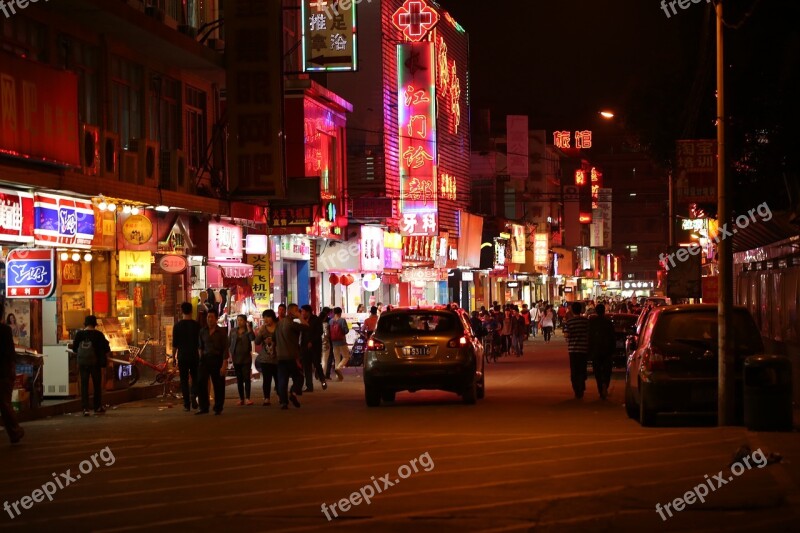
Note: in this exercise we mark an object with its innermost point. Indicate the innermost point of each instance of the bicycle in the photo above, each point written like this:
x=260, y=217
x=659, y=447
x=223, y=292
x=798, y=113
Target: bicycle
x=166, y=373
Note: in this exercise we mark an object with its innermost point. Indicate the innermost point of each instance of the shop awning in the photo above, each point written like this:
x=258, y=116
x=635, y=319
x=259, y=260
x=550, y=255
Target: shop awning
x=234, y=270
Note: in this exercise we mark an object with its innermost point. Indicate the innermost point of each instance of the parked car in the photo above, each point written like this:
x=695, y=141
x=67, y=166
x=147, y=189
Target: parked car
x=416, y=348
x=636, y=330
x=623, y=322
x=674, y=365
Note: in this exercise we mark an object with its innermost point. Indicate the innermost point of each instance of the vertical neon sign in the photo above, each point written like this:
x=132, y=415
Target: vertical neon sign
x=416, y=102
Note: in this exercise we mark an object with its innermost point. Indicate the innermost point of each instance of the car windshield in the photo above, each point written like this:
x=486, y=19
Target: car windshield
x=693, y=330
x=417, y=322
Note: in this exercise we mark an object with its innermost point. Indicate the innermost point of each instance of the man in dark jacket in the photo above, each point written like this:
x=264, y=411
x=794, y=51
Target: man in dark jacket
x=287, y=344
x=311, y=349
x=185, y=346
x=602, y=343
x=94, y=369
x=214, y=354
x=7, y=375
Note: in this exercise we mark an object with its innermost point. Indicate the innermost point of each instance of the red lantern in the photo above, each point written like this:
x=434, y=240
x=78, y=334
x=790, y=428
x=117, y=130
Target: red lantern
x=334, y=279
x=347, y=280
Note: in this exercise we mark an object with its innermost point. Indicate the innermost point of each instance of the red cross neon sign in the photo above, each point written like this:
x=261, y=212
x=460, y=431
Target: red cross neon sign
x=415, y=19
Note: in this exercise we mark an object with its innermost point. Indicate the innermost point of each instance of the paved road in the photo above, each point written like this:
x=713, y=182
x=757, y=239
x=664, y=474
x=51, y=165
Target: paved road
x=529, y=456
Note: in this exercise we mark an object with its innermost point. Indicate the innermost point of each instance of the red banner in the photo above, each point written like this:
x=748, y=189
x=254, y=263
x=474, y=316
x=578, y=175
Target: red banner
x=16, y=216
x=39, y=110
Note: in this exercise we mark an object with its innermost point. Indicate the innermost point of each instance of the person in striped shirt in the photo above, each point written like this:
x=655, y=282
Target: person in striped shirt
x=577, y=333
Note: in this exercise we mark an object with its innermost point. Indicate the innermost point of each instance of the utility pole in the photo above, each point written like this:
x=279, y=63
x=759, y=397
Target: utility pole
x=671, y=192
x=727, y=379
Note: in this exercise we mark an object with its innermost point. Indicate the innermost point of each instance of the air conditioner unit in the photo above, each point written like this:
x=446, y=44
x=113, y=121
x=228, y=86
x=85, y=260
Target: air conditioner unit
x=109, y=155
x=148, y=161
x=90, y=149
x=174, y=173
x=129, y=171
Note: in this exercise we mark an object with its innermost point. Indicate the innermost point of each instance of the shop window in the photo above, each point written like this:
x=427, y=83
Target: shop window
x=83, y=59
x=196, y=138
x=127, y=113
x=165, y=114
x=24, y=37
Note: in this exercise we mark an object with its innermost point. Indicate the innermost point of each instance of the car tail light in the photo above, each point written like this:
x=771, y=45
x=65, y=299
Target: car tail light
x=458, y=342
x=653, y=360
x=375, y=345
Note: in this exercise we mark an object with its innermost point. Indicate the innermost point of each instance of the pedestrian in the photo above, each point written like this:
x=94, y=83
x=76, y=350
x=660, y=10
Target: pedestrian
x=8, y=373
x=562, y=314
x=526, y=314
x=602, y=343
x=328, y=362
x=287, y=343
x=577, y=332
x=548, y=323
x=214, y=355
x=267, y=359
x=241, y=350
x=506, y=331
x=371, y=322
x=185, y=349
x=536, y=317
x=518, y=331
x=361, y=309
x=93, y=351
x=341, y=352
x=311, y=349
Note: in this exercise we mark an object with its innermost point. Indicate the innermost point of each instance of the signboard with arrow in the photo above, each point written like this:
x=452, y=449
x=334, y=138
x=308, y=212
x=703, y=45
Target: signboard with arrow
x=329, y=35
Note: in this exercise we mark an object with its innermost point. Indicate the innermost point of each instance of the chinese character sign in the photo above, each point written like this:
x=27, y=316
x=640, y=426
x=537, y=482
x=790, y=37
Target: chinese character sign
x=329, y=35
x=597, y=182
x=260, y=285
x=518, y=244
x=563, y=139
x=416, y=101
x=30, y=273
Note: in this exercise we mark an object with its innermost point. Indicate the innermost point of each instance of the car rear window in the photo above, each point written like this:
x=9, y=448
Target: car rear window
x=417, y=322
x=698, y=329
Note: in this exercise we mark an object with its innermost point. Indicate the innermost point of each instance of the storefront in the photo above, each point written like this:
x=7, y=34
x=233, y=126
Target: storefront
x=291, y=257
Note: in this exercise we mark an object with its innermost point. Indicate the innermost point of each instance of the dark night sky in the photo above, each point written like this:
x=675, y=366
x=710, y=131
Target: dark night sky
x=561, y=61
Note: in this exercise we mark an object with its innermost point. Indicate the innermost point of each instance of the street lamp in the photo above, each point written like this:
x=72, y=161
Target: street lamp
x=607, y=114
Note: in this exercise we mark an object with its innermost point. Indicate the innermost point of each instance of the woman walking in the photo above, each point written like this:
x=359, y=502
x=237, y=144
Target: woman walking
x=267, y=360
x=548, y=322
x=508, y=329
x=241, y=352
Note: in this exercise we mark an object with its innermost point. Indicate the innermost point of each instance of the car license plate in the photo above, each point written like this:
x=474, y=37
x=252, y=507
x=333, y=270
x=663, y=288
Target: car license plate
x=417, y=350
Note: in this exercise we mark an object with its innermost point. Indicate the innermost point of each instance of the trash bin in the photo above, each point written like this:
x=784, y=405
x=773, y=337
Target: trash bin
x=768, y=393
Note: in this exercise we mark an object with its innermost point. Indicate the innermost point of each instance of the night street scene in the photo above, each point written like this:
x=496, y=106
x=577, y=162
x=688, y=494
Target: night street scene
x=400, y=265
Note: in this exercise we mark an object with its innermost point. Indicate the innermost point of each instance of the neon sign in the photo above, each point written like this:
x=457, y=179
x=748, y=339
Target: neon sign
x=417, y=137
x=563, y=139
x=448, y=187
x=597, y=182
x=415, y=18
x=448, y=83
x=580, y=177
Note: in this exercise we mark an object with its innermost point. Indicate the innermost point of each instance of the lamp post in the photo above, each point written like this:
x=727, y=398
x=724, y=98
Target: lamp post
x=726, y=377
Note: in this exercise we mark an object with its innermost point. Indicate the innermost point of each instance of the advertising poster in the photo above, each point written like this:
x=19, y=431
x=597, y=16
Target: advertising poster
x=17, y=315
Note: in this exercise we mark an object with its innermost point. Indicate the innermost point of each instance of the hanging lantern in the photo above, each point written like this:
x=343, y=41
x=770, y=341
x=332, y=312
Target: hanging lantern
x=347, y=280
x=334, y=279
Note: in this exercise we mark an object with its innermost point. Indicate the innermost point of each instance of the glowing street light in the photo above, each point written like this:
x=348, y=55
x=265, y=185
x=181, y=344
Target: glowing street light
x=607, y=114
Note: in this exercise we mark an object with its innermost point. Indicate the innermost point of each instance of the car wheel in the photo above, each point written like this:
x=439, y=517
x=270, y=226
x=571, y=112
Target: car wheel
x=481, y=393
x=470, y=394
x=647, y=417
x=372, y=395
x=630, y=405
x=388, y=396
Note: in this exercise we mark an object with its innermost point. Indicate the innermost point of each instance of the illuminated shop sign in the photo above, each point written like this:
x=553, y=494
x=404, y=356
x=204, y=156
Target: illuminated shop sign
x=416, y=101
x=329, y=35
x=415, y=18
x=372, y=249
x=224, y=242
x=563, y=139
x=134, y=266
x=63, y=221
x=30, y=273
x=16, y=216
